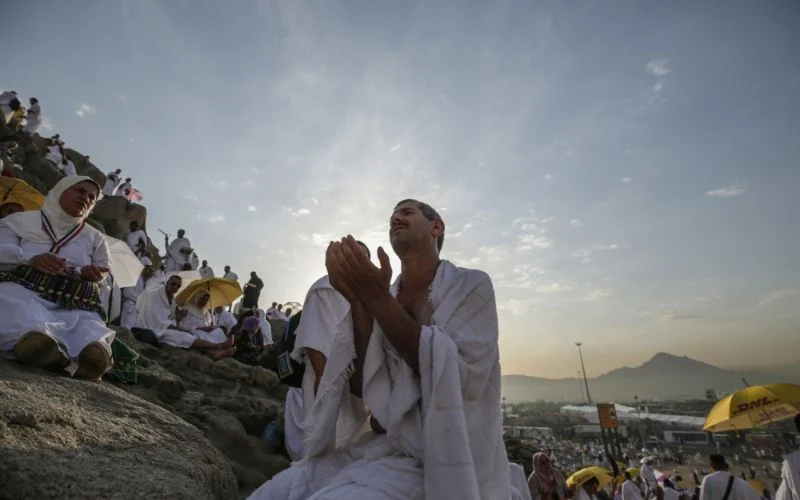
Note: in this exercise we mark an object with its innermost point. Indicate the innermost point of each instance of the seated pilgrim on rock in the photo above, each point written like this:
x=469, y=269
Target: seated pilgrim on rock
x=52, y=266
x=131, y=294
x=422, y=354
x=158, y=317
x=199, y=321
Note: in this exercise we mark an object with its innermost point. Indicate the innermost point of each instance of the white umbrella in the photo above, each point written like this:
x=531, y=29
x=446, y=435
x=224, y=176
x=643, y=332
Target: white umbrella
x=125, y=265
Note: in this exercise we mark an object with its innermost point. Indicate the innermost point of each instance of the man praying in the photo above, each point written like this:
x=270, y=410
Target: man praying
x=422, y=355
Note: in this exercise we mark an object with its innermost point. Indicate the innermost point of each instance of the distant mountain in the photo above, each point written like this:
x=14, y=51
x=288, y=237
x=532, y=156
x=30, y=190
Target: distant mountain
x=664, y=376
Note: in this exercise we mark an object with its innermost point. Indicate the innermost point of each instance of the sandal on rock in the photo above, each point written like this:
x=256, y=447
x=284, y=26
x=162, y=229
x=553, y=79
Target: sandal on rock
x=93, y=362
x=40, y=350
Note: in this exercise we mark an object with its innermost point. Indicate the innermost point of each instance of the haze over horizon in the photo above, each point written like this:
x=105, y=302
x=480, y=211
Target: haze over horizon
x=627, y=173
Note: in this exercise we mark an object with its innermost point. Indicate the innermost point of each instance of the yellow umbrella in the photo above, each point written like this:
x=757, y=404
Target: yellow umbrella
x=603, y=476
x=754, y=407
x=18, y=191
x=222, y=292
x=633, y=471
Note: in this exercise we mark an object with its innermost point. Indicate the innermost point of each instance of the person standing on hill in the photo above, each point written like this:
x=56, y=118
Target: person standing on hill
x=112, y=181
x=230, y=275
x=137, y=240
x=124, y=188
x=34, y=117
x=67, y=167
x=252, y=291
x=178, y=252
x=205, y=271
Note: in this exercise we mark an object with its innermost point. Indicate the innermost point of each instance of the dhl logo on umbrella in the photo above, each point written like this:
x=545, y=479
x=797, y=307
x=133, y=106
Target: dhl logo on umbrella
x=757, y=403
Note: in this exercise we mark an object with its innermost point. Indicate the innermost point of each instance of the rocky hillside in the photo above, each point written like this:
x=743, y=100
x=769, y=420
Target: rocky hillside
x=191, y=427
x=111, y=215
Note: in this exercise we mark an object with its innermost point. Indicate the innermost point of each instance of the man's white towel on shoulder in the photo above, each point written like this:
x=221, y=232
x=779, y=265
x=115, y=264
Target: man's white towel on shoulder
x=790, y=474
x=443, y=427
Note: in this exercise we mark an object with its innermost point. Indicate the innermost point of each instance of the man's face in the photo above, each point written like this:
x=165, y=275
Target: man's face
x=174, y=284
x=79, y=199
x=181, y=233
x=205, y=263
x=227, y=269
x=408, y=227
x=10, y=208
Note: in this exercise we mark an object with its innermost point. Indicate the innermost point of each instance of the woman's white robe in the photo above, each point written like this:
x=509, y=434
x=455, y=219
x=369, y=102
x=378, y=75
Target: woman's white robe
x=22, y=310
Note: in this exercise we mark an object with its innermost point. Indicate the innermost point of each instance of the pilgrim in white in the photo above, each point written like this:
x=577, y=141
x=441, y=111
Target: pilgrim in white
x=53, y=265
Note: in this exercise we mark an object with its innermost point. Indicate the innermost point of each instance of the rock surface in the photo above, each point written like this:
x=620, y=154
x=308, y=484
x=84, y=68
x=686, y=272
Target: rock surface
x=230, y=402
x=64, y=438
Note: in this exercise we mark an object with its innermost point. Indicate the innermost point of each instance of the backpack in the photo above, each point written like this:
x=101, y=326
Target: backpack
x=290, y=371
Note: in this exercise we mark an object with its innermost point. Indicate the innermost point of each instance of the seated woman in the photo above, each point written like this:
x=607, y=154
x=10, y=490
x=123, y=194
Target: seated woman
x=199, y=322
x=250, y=342
x=51, y=266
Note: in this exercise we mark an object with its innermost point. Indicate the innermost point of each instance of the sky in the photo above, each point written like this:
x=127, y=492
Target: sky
x=626, y=172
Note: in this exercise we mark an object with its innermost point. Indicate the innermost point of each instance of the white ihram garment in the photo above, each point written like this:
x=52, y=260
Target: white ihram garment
x=225, y=319
x=324, y=310
x=205, y=272
x=33, y=119
x=154, y=312
x=266, y=328
x=134, y=238
x=200, y=318
x=790, y=475
x=22, y=310
x=715, y=484
x=129, y=297
x=630, y=491
x=447, y=418
x=112, y=179
x=176, y=259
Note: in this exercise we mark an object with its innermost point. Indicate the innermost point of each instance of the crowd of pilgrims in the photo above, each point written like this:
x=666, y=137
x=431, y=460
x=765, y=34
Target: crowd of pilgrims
x=398, y=394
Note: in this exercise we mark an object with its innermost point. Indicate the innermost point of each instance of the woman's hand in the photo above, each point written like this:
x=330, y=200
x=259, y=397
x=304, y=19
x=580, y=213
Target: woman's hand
x=93, y=273
x=49, y=263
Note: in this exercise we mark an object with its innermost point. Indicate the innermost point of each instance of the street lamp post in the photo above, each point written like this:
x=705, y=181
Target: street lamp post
x=639, y=413
x=583, y=368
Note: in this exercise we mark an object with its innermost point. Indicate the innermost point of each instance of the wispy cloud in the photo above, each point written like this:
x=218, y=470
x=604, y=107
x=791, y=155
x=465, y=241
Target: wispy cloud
x=625, y=180
x=85, y=109
x=301, y=211
x=597, y=295
x=727, y=191
x=659, y=67
x=251, y=208
x=576, y=223
x=779, y=295
x=216, y=218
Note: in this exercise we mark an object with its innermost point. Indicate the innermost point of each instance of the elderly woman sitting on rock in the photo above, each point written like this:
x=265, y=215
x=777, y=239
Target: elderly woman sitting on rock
x=51, y=266
x=199, y=322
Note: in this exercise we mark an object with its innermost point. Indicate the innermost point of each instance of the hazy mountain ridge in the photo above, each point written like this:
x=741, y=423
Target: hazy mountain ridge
x=664, y=376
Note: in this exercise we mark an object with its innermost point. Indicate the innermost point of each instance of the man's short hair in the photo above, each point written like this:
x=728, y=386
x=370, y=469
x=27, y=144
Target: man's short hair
x=717, y=461
x=430, y=213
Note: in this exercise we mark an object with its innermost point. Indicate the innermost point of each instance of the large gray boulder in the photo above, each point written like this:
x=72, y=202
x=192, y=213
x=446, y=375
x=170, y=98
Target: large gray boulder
x=63, y=438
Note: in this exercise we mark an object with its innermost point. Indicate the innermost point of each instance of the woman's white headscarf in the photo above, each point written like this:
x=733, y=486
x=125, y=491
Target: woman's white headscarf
x=28, y=225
